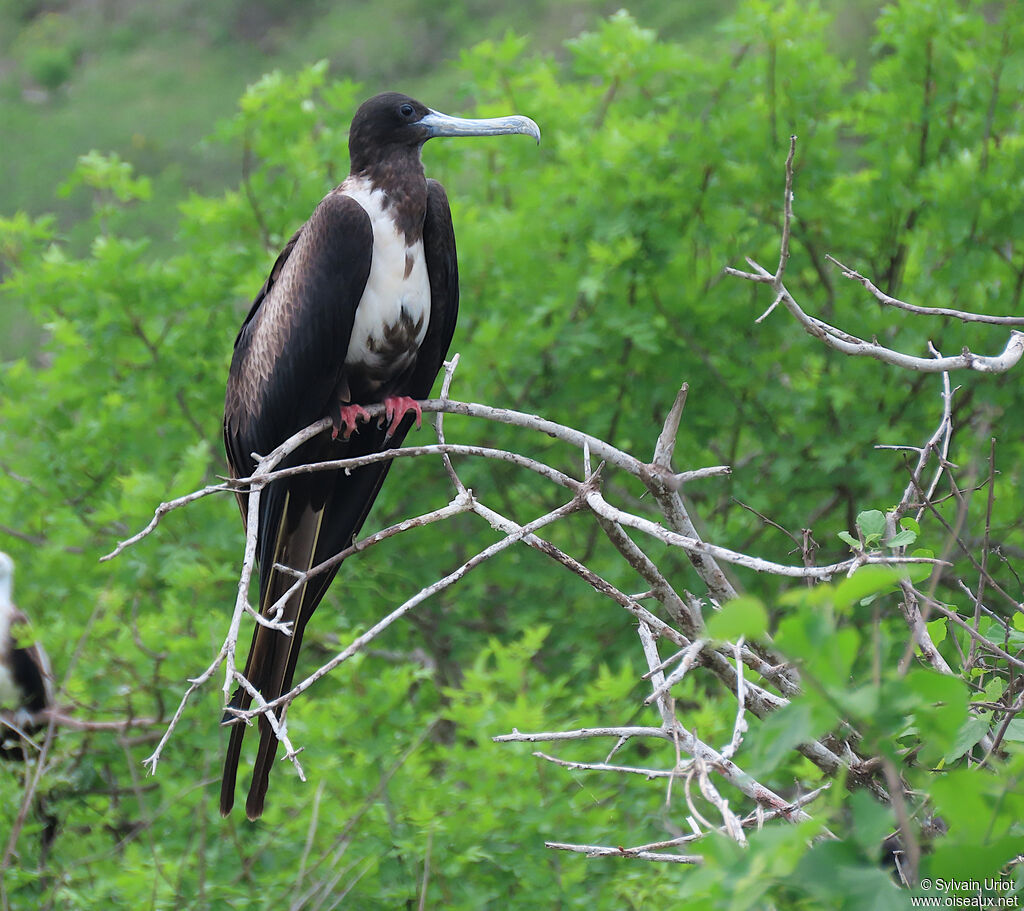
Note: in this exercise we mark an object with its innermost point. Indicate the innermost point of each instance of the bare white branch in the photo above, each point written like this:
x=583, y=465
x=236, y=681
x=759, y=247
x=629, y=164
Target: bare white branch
x=938, y=443
x=151, y=761
x=360, y=642
x=853, y=346
x=689, y=656
x=162, y=511
x=446, y=384
x=787, y=211
x=627, y=733
x=244, y=577
x=598, y=851
x=657, y=678
x=731, y=822
x=605, y=767
x=883, y=298
x=277, y=722
x=739, y=727
x=599, y=505
x=648, y=851
x=666, y=444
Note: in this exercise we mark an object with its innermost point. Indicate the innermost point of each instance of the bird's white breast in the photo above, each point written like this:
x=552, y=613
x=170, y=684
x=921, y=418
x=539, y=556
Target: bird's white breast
x=10, y=697
x=392, y=316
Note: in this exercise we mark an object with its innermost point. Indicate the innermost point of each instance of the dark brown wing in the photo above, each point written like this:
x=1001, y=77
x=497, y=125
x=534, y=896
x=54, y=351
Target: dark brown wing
x=289, y=355
x=275, y=274
x=286, y=372
x=443, y=271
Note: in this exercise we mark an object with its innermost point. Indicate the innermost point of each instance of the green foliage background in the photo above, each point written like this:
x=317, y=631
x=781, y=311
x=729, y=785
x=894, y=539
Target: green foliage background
x=591, y=286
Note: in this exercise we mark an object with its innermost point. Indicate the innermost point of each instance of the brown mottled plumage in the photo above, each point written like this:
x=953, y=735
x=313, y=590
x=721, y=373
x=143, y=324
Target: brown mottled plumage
x=359, y=308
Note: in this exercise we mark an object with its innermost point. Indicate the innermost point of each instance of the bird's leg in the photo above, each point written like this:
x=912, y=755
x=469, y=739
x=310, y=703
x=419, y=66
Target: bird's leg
x=345, y=420
x=395, y=408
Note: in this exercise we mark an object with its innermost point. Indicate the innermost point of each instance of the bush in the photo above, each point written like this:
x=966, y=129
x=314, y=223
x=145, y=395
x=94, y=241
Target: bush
x=47, y=49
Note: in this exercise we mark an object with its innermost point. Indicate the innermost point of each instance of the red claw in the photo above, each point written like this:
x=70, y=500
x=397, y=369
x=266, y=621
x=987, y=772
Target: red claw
x=397, y=407
x=345, y=422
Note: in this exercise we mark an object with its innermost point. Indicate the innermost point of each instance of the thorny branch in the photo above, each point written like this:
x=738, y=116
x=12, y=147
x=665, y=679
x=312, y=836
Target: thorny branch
x=724, y=661
x=586, y=495
x=857, y=347
x=647, y=852
x=920, y=498
x=759, y=680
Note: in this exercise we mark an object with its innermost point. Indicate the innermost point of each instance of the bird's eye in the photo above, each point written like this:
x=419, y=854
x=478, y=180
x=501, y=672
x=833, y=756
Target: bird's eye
x=407, y=110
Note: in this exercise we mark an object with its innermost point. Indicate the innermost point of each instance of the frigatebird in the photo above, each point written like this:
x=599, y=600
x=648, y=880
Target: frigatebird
x=359, y=309
x=25, y=679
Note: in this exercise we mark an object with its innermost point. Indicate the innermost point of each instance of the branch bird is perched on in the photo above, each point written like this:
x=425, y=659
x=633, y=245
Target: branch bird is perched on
x=358, y=309
x=26, y=687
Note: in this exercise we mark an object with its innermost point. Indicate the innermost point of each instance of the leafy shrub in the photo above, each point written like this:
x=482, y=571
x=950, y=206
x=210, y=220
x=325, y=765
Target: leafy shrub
x=47, y=49
x=591, y=286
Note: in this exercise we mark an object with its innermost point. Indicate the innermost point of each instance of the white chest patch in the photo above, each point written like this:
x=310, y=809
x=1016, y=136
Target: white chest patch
x=9, y=694
x=394, y=311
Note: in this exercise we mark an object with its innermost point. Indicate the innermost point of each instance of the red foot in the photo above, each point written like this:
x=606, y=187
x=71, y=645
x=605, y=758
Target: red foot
x=346, y=419
x=396, y=407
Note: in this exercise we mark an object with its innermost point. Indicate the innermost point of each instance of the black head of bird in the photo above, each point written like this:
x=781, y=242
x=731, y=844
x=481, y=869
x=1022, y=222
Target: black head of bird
x=394, y=125
x=358, y=310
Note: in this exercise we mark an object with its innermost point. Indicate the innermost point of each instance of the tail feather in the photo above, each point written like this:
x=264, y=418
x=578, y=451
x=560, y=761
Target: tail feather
x=261, y=770
x=269, y=655
x=284, y=674
x=231, y=758
x=318, y=518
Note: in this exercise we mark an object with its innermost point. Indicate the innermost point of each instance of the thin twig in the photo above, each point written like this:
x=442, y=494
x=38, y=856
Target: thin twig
x=853, y=346
x=888, y=301
x=360, y=642
x=598, y=851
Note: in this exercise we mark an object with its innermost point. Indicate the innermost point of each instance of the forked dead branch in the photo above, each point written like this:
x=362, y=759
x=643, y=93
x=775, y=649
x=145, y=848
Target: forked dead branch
x=919, y=499
x=668, y=619
x=849, y=344
x=682, y=629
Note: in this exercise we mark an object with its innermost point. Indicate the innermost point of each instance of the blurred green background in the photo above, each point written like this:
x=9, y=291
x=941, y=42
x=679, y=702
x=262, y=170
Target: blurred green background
x=156, y=156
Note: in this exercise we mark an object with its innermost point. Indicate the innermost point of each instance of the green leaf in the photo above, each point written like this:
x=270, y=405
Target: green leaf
x=902, y=539
x=972, y=860
x=868, y=580
x=918, y=572
x=937, y=630
x=871, y=525
x=961, y=798
x=744, y=616
x=910, y=524
x=779, y=734
x=971, y=731
x=872, y=820
x=849, y=539
x=1015, y=731
x=833, y=868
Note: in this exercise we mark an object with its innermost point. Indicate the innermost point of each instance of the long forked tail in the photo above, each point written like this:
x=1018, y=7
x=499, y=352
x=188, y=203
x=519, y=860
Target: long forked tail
x=270, y=667
x=304, y=523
